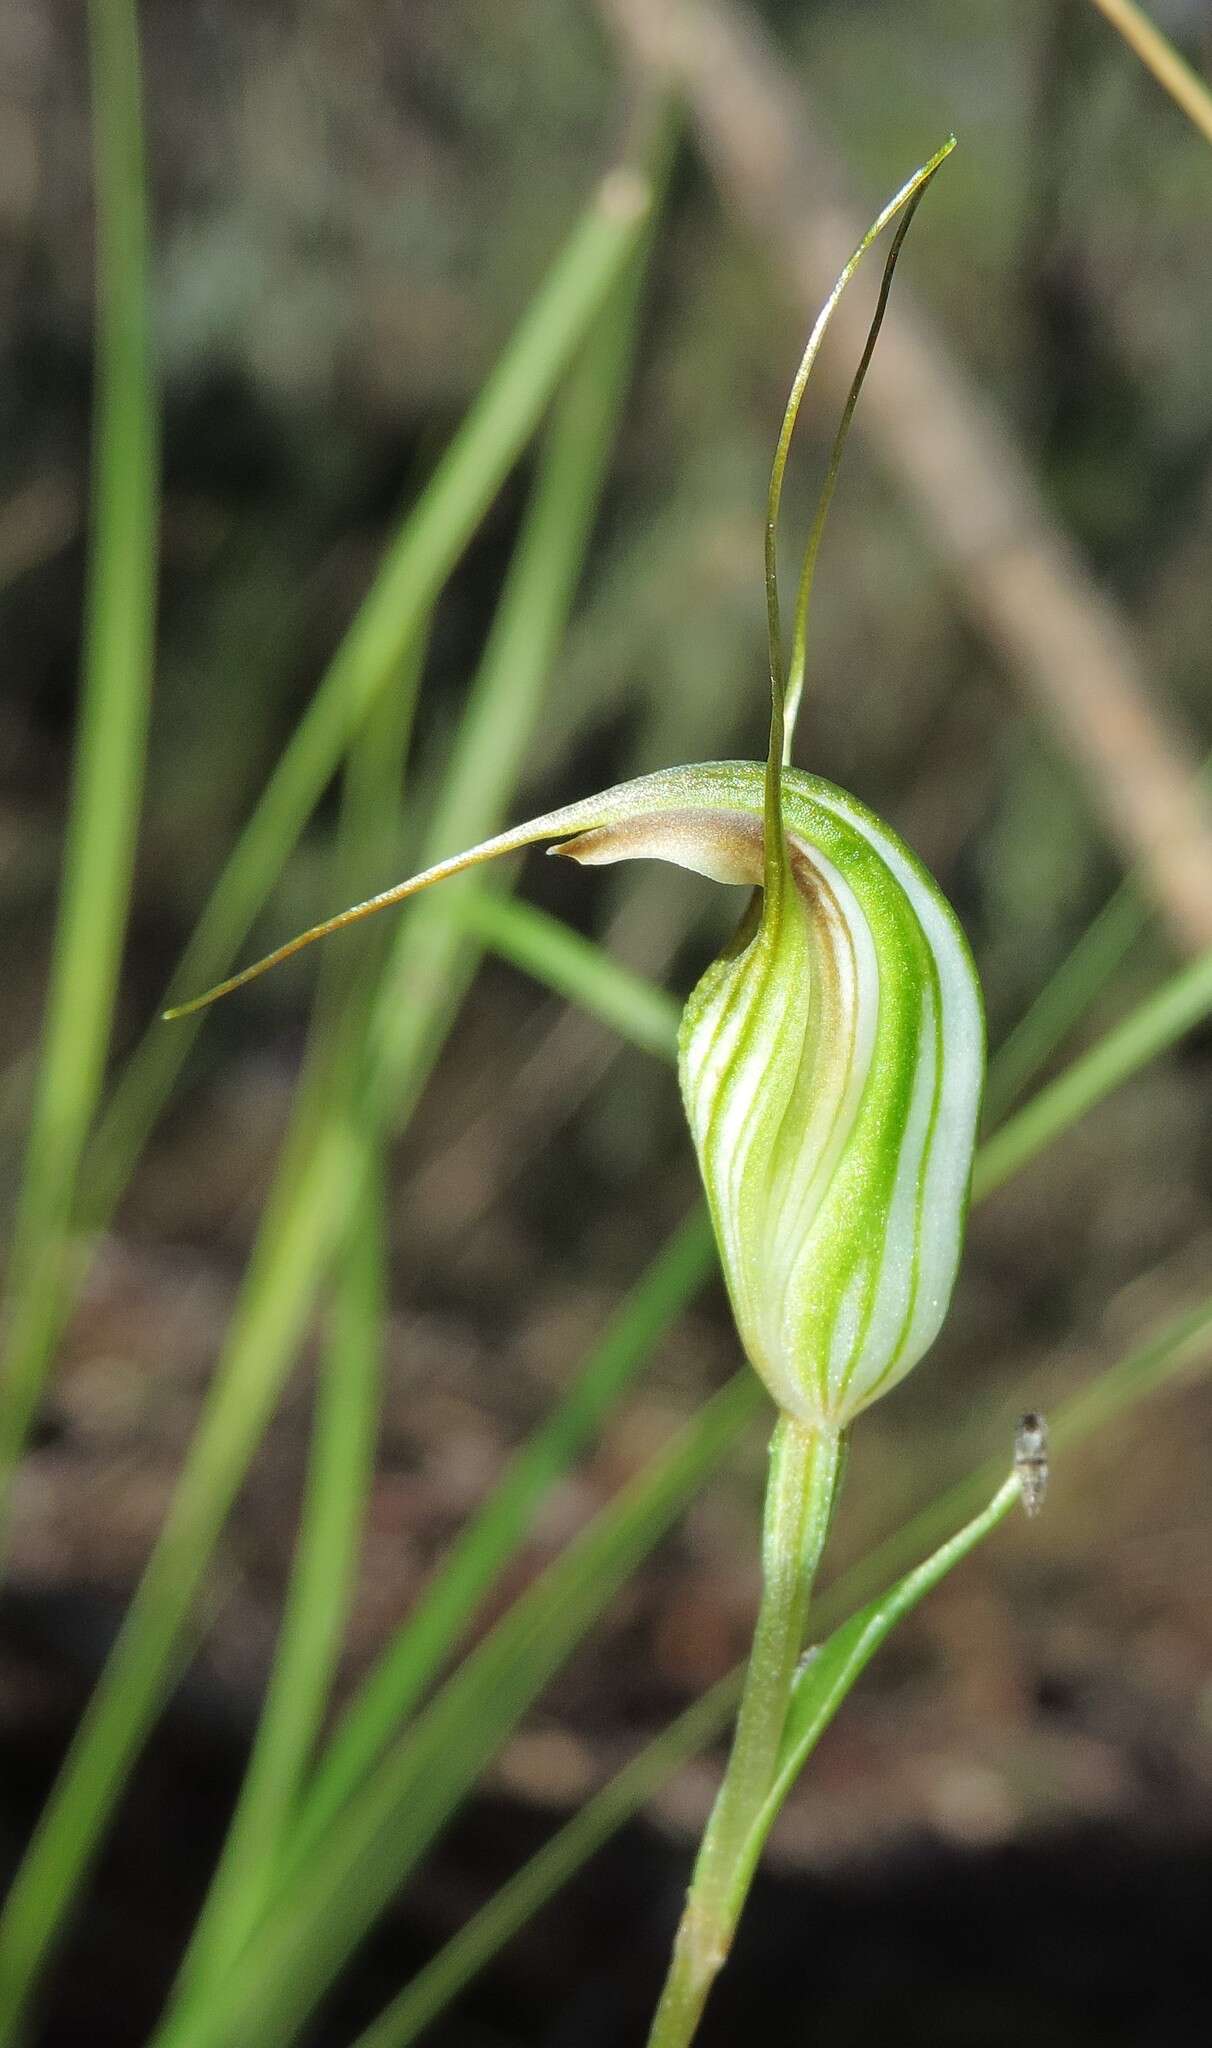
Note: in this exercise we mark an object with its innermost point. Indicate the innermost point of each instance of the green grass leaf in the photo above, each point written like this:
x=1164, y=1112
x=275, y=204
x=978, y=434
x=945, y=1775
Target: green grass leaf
x=347, y=1879
x=1150, y=1028
x=338, y=1486
x=574, y=968
x=417, y=1652
x=373, y=657
x=322, y=1173
x=107, y=777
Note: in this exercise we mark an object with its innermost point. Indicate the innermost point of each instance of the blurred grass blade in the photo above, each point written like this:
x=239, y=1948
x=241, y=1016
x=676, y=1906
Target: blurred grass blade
x=1152, y=1027
x=1159, y=56
x=410, y=1663
x=574, y=968
x=107, y=776
x=500, y=715
x=1181, y=1344
x=431, y=952
x=431, y=539
x=338, y=1486
x=1064, y=1000
x=487, y=757
x=1067, y=995
x=516, y=1903
x=341, y=1464
x=343, y=1885
x=316, y=1186
x=319, y=1177
x=322, y=1172
x=371, y=658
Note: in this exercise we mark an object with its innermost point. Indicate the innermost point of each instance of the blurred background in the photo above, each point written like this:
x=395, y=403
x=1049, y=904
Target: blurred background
x=352, y=204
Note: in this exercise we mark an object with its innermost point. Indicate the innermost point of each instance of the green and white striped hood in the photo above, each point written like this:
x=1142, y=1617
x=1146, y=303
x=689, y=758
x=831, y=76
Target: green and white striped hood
x=831, y=1065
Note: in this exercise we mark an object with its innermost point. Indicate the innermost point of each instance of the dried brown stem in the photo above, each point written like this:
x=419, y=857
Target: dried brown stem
x=1171, y=71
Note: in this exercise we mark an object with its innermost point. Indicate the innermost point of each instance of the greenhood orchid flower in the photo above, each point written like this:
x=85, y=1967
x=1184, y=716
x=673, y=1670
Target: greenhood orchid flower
x=831, y=1060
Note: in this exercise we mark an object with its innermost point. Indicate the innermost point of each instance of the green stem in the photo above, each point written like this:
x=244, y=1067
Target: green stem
x=805, y=1467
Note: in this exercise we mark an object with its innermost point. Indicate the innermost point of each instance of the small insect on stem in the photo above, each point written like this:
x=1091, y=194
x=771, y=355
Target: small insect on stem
x=1031, y=1460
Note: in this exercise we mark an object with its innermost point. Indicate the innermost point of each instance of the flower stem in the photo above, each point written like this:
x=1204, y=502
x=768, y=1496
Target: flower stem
x=805, y=1468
